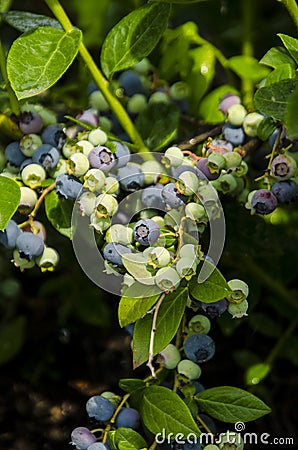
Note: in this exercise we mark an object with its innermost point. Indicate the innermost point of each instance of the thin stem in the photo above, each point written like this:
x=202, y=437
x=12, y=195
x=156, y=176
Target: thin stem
x=112, y=421
x=41, y=199
x=14, y=103
x=281, y=342
x=99, y=79
x=200, y=138
x=204, y=425
x=152, y=336
x=248, y=8
x=292, y=8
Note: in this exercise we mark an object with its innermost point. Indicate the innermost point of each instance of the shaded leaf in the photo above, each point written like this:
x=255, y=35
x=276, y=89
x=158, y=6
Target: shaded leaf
x=10, y=195
x=208, y=109
x=26, y=21
x=59, y=212
x=131, y=309
x=212, y=289
x=291, y=115
x=131, y=384
x=11, y=338
x=248, y=68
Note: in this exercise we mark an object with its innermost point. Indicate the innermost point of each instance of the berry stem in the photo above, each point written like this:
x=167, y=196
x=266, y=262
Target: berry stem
x=41, y=199
x=152, y=336
x=112, y=421
x=204, y=425
x=200, y=138
x=99, y=79
x=14, y=103
x=292, y=8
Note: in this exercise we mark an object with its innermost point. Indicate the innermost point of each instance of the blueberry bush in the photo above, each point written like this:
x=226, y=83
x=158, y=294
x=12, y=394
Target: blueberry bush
x=148, y=156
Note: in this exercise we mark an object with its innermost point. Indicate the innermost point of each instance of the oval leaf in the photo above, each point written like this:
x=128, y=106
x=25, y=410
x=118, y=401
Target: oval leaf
x=59, y=213
x=135, y=264
x=38, y=59
x=131, y=309
x=291, y=115
x=134, y=37
x=230, y=404
x=11, y=338
x=211, y=290
x=168, y=320
x=291, y=45
x=127, y=439
x=163, y=411
x=131, y=384
x=256, y=373
x=26, y=21
x=10, y=195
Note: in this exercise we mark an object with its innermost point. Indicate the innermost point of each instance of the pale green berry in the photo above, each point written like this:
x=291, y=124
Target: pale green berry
x=226, y=183
x=111, y=186
x=179, y=90
x=29, y=143
x=48, y=116
x=87, y=203
x=48, y=260
x=240, y=291
x=186, y=267
x=187, y=183
x=169, y=357
x=195, y=211
x=189, y=250
x=167, y=279
x=230, y=441
x=106, y=205
x=251, y=123
x=211, y=447
x=97, y=101
x=113, y=398
x=100, y=224
x=173, y=157
x=59, y=169
x=159, y=97
x=189, y=369
x=33, y=175
x=241, y=170
x=216, y=162
x=27, y=201
x=233, y=159
x=97, y=137
x=143, y=66
x=78, y=164
x=157, y=256
x=137, y=103
x=94, y=180
x=85, y=147
x=151, y=170
x=199, y=324
x=238, y=310
x=159, y=220
x=236, y=115
x=22, y=263
x=69, y=148
x=120, y=234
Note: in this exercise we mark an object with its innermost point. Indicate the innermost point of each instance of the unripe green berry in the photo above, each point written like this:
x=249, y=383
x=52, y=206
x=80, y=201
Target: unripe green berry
x=241, y=170
x=159, y=97
x=94, y=180
x=226, y=183
x=186, y=267
x=48, y=260
x=190, y=250
x=22, y=263
x=211, y=447
x=187, y=183
x=100, y=224
x=216, y=162
x=199, y=324
x=151, y=170
x=143, y=66
x=173, y=157
x=167, y=279
x=106, y=205
x=233, y=159
x=236, y=115
x=97, y=101
x=179, y=90
x=29, y=143
x=48, y=116
x=84, y=147
x=119, y=234
x=195, y=211
x=59, y=169
x=238, y=310
x=111, y=186
x=189, y=369
x=33, y=175
x=137, y=103
x=230, y=441
x=240, y=291
x=97, y=137
x=169, y=357
x=251, y=123
x=27, y=201
x=78, y=164
x=157, y=256
x=87, y=203
x=105, y=123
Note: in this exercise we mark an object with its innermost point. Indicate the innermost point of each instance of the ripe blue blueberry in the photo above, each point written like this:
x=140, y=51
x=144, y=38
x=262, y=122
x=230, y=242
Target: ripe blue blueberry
x=54, y=135
x=68, y=186
x=128, y=418
x=14, y=155
x=285, y=191
x=146, y=232
x=88, y=116
x=81, y=438
x=235, y=135
x=263, y=202
x=47, y=156
x=100, y=408
x=102, y=158
x=30, y=122
x=9, y=236
x=199, y=348
x=283, y=167
x=98, y=446
x=215, y=309
x=29, y=245
x=122, y=154
x=171, y=196
x=152, y=198
x=131, y=177
x=204, y=169
x=131, y=83
x=112, y=253
x=209, y=422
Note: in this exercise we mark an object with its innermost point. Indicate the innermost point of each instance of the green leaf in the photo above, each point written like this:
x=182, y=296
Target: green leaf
x=277, y=56
x=291, y=115
x=38, y=59
x=273, y=100
x=163, y=411
x=26, y=21
x=134, y=37
x=12, y=336
x=136, y=265
x=282, y=72
x=131, y=384
x=231, y=404
x=59, y=212
x=248, y=68
x=168, y=320
x=208, y=109
x=213, y=289
x=158, y=124
x=127, y=439
x=256, y=373
x=266, y=128
x=291, y=45
x=10, y=195
x=131, y=308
